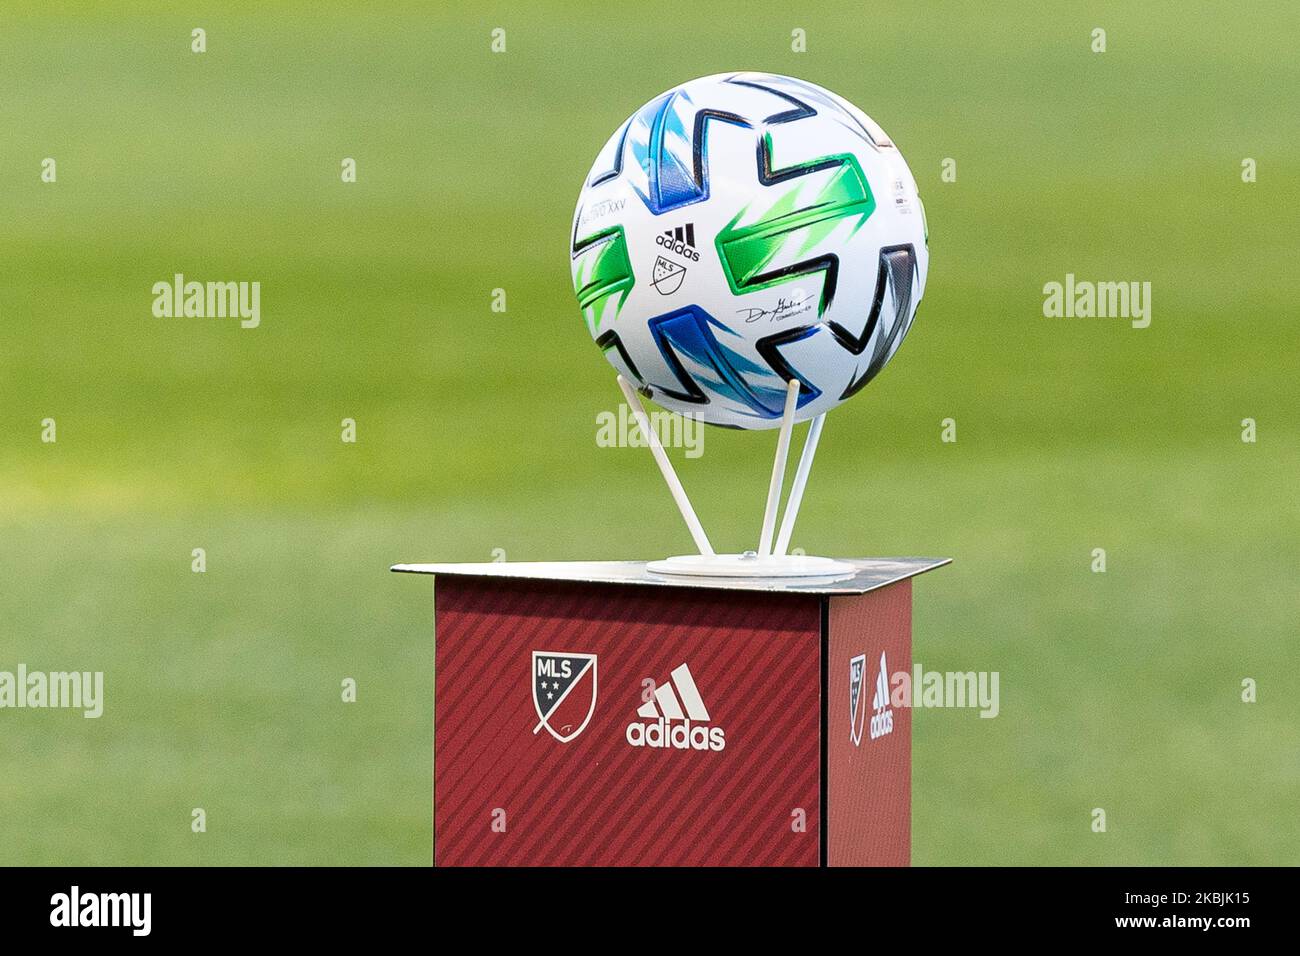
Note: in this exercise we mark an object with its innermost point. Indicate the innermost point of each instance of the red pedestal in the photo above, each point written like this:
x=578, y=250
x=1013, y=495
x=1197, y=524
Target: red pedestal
x=597, y=722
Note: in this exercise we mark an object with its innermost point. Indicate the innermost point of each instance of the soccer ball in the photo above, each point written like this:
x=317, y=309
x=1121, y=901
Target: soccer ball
x=743, y=230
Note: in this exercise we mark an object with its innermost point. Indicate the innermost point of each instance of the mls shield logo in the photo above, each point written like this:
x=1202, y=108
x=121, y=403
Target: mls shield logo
x=857, y=713
x=564, y=692
x=667, y=276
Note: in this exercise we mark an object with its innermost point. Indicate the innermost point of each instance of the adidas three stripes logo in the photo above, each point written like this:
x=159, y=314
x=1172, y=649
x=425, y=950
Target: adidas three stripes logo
x=667, y=701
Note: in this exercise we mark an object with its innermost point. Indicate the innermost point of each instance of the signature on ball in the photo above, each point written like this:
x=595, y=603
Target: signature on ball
x=784, y=309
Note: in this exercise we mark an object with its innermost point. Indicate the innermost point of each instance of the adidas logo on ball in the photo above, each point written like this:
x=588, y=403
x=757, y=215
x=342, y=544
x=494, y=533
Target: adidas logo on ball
x=673, y=720
x=680, y=240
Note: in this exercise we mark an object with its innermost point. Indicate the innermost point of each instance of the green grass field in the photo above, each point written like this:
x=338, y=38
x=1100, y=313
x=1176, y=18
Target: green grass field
x=476, y=429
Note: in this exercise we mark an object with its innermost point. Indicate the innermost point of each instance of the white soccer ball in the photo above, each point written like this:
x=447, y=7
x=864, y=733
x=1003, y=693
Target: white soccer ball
x=742, y=230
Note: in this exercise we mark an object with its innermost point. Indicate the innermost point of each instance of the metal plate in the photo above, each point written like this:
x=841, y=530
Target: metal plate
x=872, y=573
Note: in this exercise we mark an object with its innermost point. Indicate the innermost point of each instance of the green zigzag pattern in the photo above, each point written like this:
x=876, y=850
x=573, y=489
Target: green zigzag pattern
x=746, y=252
x=606, y=270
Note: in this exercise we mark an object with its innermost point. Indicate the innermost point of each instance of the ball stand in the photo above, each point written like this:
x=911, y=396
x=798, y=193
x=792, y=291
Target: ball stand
x=771, y=559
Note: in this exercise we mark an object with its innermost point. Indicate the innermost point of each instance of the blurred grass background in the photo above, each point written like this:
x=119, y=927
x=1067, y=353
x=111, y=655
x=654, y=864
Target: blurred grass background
x=477, y=430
